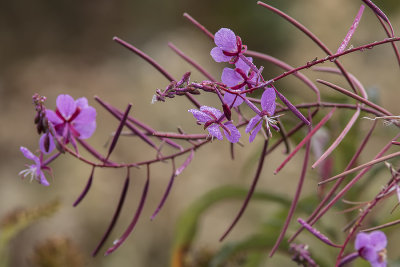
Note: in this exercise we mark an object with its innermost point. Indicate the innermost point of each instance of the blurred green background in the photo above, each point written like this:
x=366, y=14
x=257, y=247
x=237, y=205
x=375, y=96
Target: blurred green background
x=54, y=47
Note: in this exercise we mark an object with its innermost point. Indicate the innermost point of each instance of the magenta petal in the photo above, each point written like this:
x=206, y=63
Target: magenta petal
x=230, y=77
x=82, y=102
x=378, y=240
x=252, y=123
x=229, y=98
x=52, y=146
x=85, y=130
x=214, y=131
x=87, y=115
x=212, y=110
x=243, y=66
x=53, y=118
x=254, y=132
x=200, y=116
x=369, y=254
x=66, y=105
x=362, y=239
x=28, y=154
x=217, y=54
x=225, y=39
x=234, y=135
x=43, y=180
x=377, y=263
x=268, y=101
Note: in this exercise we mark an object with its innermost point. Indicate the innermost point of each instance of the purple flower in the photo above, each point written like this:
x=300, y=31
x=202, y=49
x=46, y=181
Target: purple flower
x=229, y=46
x=73, y=118
x=237, y=79
x=372, y=247
x=268, y=109
x=35, y=170
x=210, y=117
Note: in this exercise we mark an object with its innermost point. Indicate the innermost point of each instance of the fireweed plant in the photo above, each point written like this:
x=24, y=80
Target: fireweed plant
x=65, y=129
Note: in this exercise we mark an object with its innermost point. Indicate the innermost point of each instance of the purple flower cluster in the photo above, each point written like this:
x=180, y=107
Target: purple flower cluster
x=72, y=119
x=230, y=49
x=237, y=79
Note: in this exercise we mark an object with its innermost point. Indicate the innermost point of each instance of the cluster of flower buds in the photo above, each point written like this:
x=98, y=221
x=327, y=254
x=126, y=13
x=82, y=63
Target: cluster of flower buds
x=40, y=118
x=176, y=89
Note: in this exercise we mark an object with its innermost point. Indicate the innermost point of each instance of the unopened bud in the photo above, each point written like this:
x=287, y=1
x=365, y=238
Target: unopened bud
x=47, y=143
x=37, y=118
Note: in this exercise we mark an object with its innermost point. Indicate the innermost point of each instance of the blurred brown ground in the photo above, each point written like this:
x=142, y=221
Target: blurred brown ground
x=54, y=47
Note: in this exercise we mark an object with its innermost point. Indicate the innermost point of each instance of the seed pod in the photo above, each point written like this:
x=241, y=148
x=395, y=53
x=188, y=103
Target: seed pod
x=227, y=111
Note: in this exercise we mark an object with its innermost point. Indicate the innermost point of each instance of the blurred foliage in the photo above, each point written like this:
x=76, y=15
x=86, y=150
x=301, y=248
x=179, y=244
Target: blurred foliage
x=18, y=220
x=57, y=252
x=248, y=252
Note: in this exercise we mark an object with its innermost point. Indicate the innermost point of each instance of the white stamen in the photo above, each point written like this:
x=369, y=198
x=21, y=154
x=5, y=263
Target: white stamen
x=154, y=99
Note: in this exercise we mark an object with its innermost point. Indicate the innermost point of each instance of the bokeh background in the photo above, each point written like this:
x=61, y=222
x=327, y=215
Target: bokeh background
x=54, y=47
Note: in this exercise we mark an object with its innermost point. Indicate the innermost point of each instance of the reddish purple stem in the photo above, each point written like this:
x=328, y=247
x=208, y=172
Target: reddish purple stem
x=115, y=216
x=308, y=137
x=119, y=130
x=132, y=225
x=338, y=139
x=295, y=199
x=351, y=31
x=86, y=189
x=377, y=10
x=317, y=233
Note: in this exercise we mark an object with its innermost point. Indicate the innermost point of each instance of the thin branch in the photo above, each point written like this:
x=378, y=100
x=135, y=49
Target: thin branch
x=308, y=137
x=363, y=166
x=339, y=139
x=295, y=199
x=115, y=216
x=356, y=97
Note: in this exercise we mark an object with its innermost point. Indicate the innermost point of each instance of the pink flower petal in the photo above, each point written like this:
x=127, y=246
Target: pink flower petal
x=85, y=130
x=243, y=66
x=230, y=77
x=217, y=54
x=82, y=102
x=66, y=105
x=225, y=39
x=43, y=180
x=234, y=135
x=378, y=240
x=53, y=118
x=28, y=154
x=254, y=132
x=212, y=110
x=215, y=131
x=268, y=101
x=229, y=98
x=252, y=123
